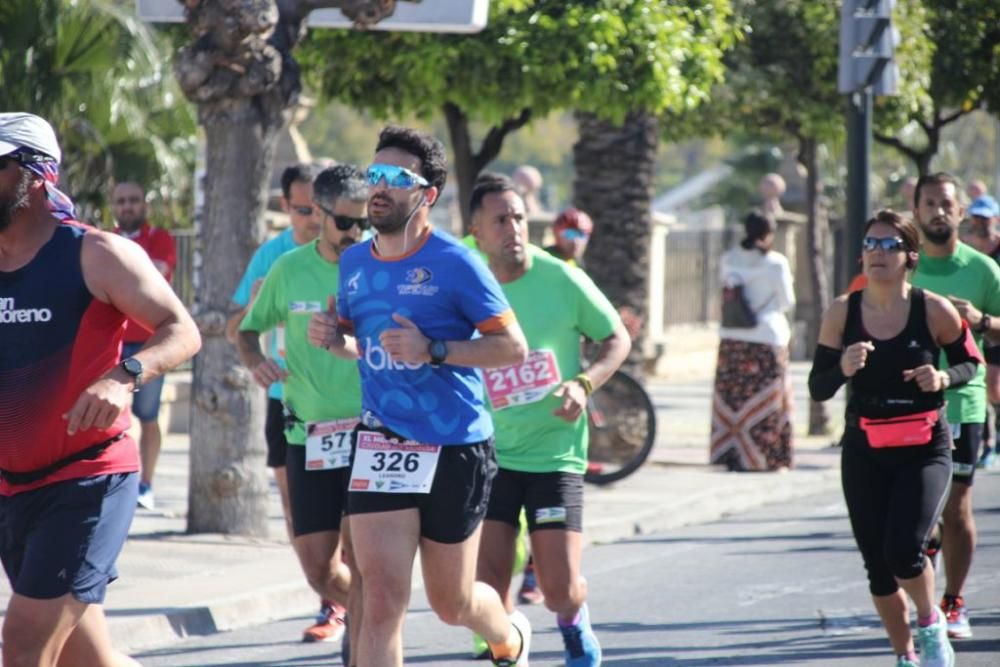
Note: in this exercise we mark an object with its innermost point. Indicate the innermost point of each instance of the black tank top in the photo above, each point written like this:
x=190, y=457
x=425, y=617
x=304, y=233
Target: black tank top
x=878, y=389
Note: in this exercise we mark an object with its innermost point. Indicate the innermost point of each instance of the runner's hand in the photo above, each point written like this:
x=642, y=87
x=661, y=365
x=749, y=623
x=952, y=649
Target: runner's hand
x=927, y=377
x=574, y=400
x=855, y=356
x=323, y=327
x=405, y=344
x=967, y=311
x=267, y=372
x=98, y=406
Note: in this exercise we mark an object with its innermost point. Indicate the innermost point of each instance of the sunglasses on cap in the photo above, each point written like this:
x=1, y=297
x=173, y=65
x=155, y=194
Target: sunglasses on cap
x=344, y=222
x=888, y=244
x=395, y=177
x=574, y=235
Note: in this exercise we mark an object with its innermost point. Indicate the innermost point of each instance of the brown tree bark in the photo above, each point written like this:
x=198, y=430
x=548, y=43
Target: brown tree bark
x=614, y=185
x=470, y=162
x=816, y=233
x=240, y=71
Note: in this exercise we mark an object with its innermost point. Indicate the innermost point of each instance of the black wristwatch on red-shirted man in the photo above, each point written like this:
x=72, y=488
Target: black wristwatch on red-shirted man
x=133, y=367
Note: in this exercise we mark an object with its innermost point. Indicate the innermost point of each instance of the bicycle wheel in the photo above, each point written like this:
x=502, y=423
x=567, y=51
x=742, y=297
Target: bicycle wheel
x=622, y=423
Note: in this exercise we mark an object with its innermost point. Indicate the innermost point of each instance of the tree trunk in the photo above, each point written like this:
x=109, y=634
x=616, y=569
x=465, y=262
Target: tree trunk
x=240, y=72
x=614, y=185
x=468, y=164
x=816, y=233
x=464, y=158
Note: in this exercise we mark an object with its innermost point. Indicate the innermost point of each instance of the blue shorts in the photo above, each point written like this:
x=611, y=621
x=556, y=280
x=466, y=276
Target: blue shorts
x=65, y=537
x=146, y=401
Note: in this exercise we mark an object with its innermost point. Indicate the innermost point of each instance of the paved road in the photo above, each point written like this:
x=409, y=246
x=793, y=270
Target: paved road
x=781, y=585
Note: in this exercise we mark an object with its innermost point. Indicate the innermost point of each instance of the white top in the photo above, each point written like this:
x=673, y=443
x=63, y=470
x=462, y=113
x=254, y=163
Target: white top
x=767, y=286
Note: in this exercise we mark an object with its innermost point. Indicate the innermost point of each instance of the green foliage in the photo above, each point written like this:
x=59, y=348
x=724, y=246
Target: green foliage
x=957, y=44
x=608, y=57
x=781, y=78
x=103, y=80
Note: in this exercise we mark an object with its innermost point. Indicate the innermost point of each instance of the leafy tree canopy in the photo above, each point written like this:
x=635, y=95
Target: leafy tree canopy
x=102, y=79
x=606, y=57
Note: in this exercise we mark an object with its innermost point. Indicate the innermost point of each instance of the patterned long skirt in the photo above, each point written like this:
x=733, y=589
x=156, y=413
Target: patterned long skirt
x=751, y=408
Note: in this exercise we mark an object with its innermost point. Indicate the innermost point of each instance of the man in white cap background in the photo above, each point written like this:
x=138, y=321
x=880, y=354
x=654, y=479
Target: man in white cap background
x=68, y=470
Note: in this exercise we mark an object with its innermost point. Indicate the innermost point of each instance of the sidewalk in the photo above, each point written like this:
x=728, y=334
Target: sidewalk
x=173, y=585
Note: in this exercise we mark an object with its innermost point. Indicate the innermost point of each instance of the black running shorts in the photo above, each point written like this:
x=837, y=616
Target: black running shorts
x=317, y=497
x=456, y=504
x=964, y=457
x=274, y=433
x=551, y=500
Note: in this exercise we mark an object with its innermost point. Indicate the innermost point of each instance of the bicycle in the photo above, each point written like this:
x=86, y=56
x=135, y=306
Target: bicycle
x=622, y=423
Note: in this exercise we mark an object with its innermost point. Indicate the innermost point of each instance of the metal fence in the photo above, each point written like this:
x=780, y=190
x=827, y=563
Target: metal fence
x=691, y=286
x=183, y=280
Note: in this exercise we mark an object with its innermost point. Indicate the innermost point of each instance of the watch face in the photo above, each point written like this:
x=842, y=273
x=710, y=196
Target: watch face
x=132, y=366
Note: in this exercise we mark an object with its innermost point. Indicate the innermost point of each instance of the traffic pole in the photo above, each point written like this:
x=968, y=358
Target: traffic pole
x=859, y=147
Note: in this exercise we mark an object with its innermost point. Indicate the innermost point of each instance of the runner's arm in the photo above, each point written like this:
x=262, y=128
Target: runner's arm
x=118, y=272
x=611, y=354
x=502, y=343
x=826, y=375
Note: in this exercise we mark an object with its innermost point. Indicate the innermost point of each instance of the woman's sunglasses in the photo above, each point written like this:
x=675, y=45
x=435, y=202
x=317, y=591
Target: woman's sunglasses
x=888, y=244
x=395, y=177
x=344, y=222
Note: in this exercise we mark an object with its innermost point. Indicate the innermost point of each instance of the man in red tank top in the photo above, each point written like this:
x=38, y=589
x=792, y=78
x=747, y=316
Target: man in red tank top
x=68, y=471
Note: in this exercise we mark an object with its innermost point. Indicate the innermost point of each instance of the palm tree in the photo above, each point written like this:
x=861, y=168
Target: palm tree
x=615, y=167
x=98, y=76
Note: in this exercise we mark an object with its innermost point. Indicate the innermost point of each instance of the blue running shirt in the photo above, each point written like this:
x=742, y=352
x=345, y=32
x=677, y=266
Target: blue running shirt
x=450, y=295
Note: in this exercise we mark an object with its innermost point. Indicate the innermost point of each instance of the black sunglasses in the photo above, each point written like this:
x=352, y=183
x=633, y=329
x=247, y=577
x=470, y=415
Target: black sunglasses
x=344, y=222
x=21, y=157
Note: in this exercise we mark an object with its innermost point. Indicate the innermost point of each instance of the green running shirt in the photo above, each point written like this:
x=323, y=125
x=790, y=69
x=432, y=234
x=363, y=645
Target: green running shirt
x=320, y=386
x=971, y=275
x=555, y=304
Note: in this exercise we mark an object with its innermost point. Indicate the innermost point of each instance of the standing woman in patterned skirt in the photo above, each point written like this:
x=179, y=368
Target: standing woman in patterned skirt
x=751, y=408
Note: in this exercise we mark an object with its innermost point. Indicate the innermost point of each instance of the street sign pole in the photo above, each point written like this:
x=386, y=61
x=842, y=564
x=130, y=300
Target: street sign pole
x=859, y=145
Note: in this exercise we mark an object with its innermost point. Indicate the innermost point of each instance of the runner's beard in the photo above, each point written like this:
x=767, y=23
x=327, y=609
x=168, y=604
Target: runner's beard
x=392, y=222
x=18, y=201
x=936, y=235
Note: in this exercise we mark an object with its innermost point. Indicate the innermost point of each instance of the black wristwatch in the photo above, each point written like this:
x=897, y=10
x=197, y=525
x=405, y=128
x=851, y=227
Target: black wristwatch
x=133, y=367
x=439, y=352
x=984, y=324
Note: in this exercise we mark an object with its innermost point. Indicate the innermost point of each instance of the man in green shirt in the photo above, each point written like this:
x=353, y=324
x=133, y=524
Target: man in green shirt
x=972, y=281
x=322, y=394
x=539, y=413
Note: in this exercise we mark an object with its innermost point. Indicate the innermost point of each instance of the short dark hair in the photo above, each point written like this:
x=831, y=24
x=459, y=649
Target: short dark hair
x=903, y=226
x=297, y=173
x=343, y=181
x=938, y=178
x=489, y=183
x=430, y=151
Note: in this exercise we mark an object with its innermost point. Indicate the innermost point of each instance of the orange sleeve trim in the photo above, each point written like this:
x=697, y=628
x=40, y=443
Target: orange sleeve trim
x=497, y=322
x=346, y=324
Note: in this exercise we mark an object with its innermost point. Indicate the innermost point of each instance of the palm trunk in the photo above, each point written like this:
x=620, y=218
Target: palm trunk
x=816, y=232
x=240, y=72
x=614, y=184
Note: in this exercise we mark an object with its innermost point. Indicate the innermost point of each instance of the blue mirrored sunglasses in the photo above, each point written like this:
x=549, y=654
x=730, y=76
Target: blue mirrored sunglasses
x=888, y=244
x=574, y=235
x=395, y=177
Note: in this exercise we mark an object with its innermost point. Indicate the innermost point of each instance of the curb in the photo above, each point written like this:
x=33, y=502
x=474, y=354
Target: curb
x=133, y=633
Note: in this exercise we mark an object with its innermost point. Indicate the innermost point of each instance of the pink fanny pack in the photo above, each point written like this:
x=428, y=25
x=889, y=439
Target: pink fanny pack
x=905, y=431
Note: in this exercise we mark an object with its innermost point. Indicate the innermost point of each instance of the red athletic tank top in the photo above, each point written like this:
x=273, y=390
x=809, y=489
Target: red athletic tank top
x=55, y=340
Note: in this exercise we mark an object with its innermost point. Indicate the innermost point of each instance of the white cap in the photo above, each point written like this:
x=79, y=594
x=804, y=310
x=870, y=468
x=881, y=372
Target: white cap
x=26, y=130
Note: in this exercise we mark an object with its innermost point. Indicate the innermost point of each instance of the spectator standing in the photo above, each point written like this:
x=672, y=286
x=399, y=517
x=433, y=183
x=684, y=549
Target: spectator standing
x=128, y=206
x=751, y=407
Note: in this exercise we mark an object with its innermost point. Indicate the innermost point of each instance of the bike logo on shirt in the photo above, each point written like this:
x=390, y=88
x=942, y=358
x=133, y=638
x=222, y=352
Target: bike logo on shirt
x=417, y=283
x=379, y=360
